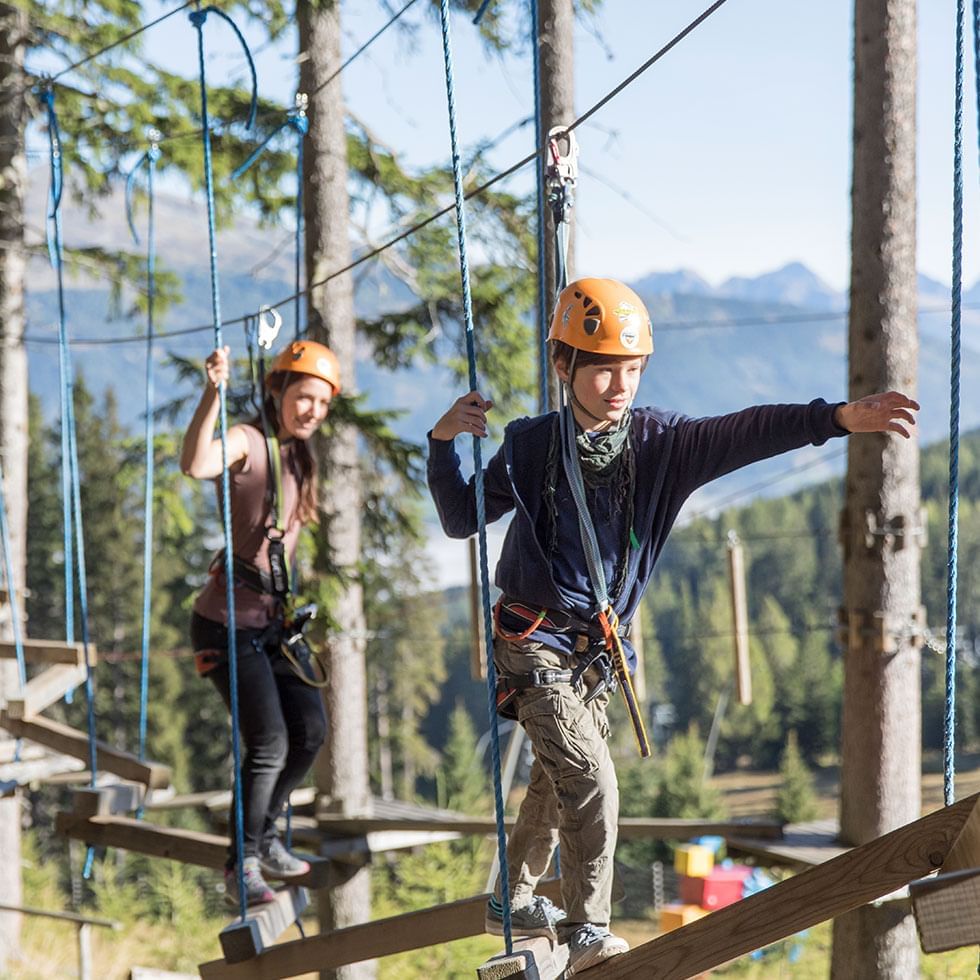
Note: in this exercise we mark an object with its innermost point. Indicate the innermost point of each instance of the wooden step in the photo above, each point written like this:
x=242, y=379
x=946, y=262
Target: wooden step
x=45, y=688
x=50, y=652
x=107, y=801
x=529, y=959
x=263, y=925
x=173, y=843
x=371, y=940
x=71, y=742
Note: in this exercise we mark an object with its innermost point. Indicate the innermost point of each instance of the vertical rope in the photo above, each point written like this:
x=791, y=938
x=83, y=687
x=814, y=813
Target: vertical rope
x=540, y=164
x=949, y=727
x=74, y=549
x=301, y=124
x=481, y=517
x=198, y=18
x=150, y=158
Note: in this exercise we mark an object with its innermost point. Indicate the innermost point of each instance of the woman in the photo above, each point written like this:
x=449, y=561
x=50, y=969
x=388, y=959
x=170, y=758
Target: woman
x=282, y=719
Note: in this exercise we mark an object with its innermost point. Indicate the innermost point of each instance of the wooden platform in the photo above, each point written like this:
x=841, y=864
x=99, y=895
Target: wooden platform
x=845, y=882
x=383, y=937
x=175, y=844
x=62, y=738
x=802, y=845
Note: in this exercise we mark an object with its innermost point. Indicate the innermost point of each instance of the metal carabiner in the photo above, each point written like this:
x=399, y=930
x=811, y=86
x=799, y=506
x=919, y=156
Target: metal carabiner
x=269, y=324
x=563, y=154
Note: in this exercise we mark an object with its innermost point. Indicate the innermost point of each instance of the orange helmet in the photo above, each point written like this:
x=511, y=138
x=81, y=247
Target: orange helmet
x=308, y=357
x=602, y=316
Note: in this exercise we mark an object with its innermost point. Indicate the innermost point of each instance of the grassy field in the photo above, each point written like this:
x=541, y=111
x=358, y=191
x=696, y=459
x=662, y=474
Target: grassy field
x=49, y=949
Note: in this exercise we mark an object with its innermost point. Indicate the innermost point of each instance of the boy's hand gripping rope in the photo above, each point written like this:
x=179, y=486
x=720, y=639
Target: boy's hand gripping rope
x=481, y=518
x=198, y=19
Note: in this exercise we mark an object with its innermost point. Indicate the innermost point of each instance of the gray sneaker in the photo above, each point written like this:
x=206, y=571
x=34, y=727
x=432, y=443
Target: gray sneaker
x=591, y=945
x=257, y=890
x=537, y=919
x=277, y=862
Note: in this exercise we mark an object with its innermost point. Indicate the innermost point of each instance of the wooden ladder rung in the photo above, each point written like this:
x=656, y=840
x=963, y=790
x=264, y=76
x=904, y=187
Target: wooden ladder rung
x=529, y=959
x=263, y=925
x=71, y=742
x=49, y=652
x=173, y=843
x=45, y=688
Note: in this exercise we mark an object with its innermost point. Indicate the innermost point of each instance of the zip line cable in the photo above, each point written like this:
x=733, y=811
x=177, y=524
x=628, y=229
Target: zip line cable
x=122, y=40
x=467, y=196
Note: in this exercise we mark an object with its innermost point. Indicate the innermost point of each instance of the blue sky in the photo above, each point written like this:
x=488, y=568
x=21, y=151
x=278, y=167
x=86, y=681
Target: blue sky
x=736, y=145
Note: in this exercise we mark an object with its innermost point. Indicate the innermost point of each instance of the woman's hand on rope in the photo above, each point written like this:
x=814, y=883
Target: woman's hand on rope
x=467, y=415
x=890, y=411
x=216, y=366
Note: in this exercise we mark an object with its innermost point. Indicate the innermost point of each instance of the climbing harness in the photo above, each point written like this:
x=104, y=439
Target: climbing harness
x=481, y=516
x=197, y=19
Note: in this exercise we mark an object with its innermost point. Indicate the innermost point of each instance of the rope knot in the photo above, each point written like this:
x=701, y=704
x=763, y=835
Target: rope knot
x=299, y=122
x=198, y=17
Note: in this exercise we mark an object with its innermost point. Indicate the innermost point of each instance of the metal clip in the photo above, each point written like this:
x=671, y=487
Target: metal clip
x=301, y=103
x=270, y=322
x=563, y=154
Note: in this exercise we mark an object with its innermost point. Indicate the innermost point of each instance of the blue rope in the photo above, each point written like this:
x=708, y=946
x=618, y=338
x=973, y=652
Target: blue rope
x=949, y=727
x=198, y=18
x=481, y=11
x=481, y=518
x=149, y=158
x=541, y=162
x=70, y=478
x=297, y=121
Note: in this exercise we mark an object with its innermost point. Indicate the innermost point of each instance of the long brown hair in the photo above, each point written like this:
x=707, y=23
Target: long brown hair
x=307, y=510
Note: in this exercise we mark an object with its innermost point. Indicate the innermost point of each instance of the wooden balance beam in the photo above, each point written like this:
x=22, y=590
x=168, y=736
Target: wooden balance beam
x=846, y=882
x=263, y=925
x=45, y=688
x=71, y=742
x=173, y=843
x=49, y=652
x=383, y=937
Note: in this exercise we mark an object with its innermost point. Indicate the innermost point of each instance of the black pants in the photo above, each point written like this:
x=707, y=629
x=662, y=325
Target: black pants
x=282, y=722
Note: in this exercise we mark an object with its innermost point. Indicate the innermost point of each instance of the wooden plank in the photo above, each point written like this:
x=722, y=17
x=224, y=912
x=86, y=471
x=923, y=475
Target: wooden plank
x=947, y=910
x=173, y=843
x=630, y=828
x=354, y=849
x=50, y=652
x=530, y=959
x=105, y=801
x=965, y=852
x=846, y=882
x=151, y=973
x=802, y=845
x=45, y=688
x=263, y=925
x=62, y=916
x=61, y=738
x=371, y=940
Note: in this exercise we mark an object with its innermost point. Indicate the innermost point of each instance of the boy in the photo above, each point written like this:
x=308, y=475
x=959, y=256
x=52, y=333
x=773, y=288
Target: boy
x=637, y=467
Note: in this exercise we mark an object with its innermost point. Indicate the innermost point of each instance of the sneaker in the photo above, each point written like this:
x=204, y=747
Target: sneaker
x=277, y=862
x=257, y=891
x=537, y=919
x=591, y=945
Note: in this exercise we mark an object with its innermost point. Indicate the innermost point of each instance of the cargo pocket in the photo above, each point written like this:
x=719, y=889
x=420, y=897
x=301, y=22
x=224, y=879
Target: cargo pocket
x=561, y=730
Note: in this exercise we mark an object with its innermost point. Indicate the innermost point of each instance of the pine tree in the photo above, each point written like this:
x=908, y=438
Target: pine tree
x=795, y=801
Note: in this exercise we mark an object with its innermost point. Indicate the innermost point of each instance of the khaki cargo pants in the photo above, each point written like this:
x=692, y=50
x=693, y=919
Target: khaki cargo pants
x=572, y=797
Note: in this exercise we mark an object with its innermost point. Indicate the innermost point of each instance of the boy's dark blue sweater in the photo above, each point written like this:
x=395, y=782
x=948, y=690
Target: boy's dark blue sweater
x=674, y=456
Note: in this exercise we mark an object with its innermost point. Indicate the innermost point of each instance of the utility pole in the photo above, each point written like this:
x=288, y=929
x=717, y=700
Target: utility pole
x=341, y=770
x=556, y=23
x=13, y=405
x=880, y=746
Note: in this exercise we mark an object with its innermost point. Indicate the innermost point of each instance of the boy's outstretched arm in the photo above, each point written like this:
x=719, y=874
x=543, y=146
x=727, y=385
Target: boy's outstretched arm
x=889, y=411
x=455, y=498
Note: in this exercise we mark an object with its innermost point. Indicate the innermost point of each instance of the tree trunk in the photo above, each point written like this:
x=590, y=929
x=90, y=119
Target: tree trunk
x=13, y=407
x=880, y=752
x=342, y=767
x=556, y=24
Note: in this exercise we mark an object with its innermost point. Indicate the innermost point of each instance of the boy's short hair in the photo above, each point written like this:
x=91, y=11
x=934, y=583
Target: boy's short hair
x=561, y=353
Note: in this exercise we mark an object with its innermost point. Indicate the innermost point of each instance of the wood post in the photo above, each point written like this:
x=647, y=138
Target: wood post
x=740, y=620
